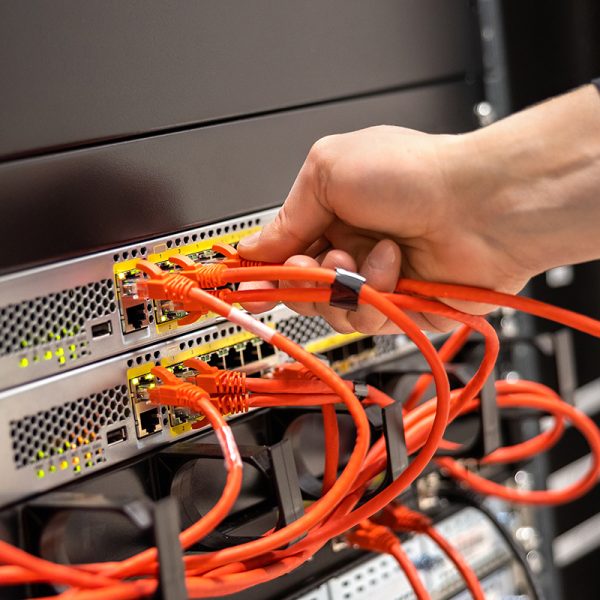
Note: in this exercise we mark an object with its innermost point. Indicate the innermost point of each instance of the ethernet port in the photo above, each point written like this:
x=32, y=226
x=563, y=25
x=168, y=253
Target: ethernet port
x=251, y=353
x=148, y=422
x=235, y=359
x=136, y=316
x=134, y=312
x=336, y=354
x=267, y=350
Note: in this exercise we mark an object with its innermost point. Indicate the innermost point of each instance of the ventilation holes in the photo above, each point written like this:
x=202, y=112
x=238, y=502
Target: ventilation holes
x=385, y=343
x=57, y=316
x=63, y=428
x=304, y=329
x=190, y=236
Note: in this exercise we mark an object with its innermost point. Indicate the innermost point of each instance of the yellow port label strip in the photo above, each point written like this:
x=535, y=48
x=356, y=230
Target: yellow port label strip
x=213, y=346
x=328, y=343
x=228, y=238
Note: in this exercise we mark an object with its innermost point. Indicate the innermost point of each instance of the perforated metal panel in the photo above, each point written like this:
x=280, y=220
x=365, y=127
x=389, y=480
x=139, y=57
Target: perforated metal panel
x=379, y=577
x=141, y=250
x=64, y=428
x=304, y=329
x=58, y=316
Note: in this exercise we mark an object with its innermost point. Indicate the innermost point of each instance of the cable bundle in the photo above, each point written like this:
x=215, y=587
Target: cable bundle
x=310, y=382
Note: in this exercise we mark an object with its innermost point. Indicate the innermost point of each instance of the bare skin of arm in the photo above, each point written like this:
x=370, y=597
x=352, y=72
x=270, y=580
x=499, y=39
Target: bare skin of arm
x=489, y=208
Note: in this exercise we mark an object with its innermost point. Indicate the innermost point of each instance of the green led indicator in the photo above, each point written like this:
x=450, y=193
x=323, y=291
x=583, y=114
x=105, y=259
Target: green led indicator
x=24, y=344
x=41, y=454
x=24, y=362
x=77, y=468
x=41, y=473
x=48, y=355
x=89, y=463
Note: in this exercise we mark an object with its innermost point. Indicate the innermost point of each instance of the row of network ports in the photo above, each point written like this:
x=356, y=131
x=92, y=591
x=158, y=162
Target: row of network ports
x=137, y=313
x=251, y=356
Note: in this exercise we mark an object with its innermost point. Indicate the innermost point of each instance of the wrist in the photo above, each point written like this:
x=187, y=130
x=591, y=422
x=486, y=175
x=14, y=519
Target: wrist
x=530, y=182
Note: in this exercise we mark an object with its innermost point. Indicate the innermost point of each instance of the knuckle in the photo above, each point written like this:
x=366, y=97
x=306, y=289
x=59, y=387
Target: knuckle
x=318, y=164
x=340, y=324
x=366, y=323
x=321, y=150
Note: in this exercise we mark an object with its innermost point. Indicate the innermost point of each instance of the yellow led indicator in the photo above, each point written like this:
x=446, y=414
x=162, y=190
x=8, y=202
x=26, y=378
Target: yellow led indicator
x=72, y=347
x=135, y=381
x=121, y=275
x=59, y=352
x=87, y=455
x=62, y=360
x=24, y=362
x=63, y=465
x=48, y=355
x=163, y=319
x=41, y=473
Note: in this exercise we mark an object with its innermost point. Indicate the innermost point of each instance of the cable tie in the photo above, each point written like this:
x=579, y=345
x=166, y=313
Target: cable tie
x=345, y=290
x=361, y=390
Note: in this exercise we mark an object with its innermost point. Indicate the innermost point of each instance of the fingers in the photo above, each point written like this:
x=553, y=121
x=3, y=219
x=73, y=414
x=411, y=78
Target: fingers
x=337, y=317
x=381, y=269
x=307, y=309
x=257, y=307
x=304, y=216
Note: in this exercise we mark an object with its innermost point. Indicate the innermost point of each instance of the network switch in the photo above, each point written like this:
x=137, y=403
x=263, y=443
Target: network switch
x=81, y=421
x=72, y=313
x=380, y=576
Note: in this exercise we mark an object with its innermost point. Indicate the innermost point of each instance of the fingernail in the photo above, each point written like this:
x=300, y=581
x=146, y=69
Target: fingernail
x=383, y=256
x=250, y=240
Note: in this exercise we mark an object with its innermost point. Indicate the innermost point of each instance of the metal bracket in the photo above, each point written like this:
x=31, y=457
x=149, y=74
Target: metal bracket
x=160, y=520
x=275, y=462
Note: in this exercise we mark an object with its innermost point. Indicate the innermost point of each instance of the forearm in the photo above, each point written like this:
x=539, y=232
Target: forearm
x=538, y=181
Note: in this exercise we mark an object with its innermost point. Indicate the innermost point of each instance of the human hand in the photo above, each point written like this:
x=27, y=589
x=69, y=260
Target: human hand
x=385, y=202
x=490, y=208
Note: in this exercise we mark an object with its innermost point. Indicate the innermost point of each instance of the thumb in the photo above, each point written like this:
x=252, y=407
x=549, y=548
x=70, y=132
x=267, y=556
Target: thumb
x=301, y=221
